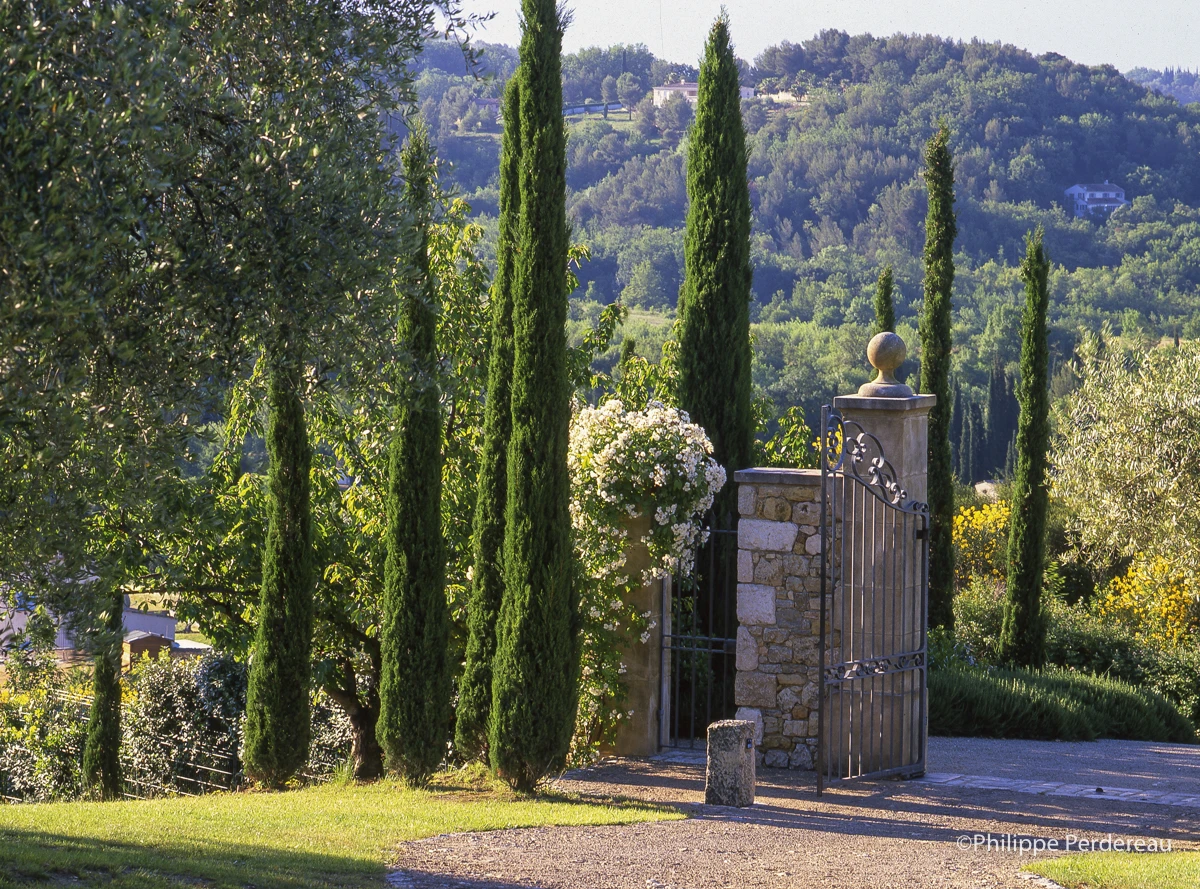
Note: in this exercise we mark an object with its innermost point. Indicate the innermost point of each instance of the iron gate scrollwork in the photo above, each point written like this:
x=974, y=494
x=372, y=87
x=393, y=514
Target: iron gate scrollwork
x=871, y=717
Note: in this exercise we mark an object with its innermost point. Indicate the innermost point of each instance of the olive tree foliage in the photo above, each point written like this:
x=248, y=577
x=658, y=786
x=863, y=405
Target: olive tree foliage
x=101, y=351
x=1123, y=456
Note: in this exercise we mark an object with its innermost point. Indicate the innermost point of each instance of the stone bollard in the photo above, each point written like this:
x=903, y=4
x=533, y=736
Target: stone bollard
x=729, y=780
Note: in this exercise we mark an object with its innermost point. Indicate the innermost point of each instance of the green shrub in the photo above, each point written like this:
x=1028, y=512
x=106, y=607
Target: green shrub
x=977, y=703
x=43, y=720
x=182, y=718
x=1050, y=705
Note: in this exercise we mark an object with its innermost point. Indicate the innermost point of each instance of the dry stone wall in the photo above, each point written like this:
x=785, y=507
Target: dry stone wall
x=778, y=608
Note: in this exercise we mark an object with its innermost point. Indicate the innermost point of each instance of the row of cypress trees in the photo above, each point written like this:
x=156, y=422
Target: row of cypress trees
x=1022, y=638
x=518, y=693
x=519, y=688
x=983, y=439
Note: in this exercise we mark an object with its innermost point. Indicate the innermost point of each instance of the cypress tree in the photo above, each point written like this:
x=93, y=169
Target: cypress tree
x=714, y=304
x=956, y=432
x=1022, y=636
x=998, y=430
x=535, y=671
x=940, y=231
x=277, y=713
x=487, y=583
x=415, y=681
x=978, y=449
x=885, y=310
x=102, y=746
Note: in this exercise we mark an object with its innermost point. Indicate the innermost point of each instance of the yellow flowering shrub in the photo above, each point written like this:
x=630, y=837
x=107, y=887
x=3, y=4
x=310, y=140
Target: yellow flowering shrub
x=1153, y=599
x=981, y=542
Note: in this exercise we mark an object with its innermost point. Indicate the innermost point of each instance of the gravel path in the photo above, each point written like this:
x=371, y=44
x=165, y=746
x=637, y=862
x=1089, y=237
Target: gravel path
x=862, y=836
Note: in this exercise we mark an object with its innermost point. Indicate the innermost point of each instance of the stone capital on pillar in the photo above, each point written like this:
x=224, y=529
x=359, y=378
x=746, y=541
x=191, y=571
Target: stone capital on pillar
x=899, y=421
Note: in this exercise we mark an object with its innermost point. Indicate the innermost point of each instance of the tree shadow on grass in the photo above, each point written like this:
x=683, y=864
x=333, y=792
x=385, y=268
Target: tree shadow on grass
x=38, y=858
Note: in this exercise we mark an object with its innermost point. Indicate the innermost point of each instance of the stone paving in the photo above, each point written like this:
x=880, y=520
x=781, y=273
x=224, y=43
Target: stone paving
x=1055, y=788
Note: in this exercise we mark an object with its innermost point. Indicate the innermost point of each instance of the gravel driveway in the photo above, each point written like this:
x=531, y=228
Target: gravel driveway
x=860, y=836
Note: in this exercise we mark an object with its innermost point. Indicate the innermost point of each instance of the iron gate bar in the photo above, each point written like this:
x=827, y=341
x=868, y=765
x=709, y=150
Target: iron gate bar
x=878, y=673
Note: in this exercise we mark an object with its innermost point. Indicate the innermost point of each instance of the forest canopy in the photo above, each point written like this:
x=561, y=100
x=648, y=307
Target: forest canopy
x=835, y=133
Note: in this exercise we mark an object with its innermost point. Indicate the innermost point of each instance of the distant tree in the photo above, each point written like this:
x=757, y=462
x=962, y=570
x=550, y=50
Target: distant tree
x=534, y=678
x=629, y=91
x=964, y=468
x=1001, y=421
x=885, y=311
x=956, y=427
x=714, y=306
x=415, y=681
x=935, y=330
x=608, y=92
x=487, y=584
x=647, y=117
x=675, y=116
x=1023, y=634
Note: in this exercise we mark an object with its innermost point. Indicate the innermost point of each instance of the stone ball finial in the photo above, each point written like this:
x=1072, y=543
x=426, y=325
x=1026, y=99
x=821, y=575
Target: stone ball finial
x=886, y=352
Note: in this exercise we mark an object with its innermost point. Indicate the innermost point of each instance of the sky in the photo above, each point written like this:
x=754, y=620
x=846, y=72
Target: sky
x=1124, y=33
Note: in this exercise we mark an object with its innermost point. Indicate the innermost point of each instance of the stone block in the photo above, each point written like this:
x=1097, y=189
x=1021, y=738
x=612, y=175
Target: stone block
x=751, y=714
x=776, y=759
x=812, y=546
x=755, y=604
x=806, y=513
x=745, y=566
x=774, y=509
x=747, y=651
x=761, y=535
x=768, y=571
x=746, y=498
x=755, y=690
x=801, y=758
x=729, y=779
x=796, y=728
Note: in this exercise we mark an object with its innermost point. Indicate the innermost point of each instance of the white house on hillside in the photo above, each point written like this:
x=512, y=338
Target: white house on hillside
x=690, y=91
x=1096, y=200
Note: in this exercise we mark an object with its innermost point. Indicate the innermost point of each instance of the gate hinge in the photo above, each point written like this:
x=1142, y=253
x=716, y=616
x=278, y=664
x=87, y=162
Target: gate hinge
x=922, y=533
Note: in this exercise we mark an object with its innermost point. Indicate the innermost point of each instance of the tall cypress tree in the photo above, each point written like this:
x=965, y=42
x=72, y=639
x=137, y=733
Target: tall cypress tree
x=1023, y=634
x=277, y=713
x=415, y=681
x=714, y=305
x=535, y=671
x=487, y=584
x=885, y=310
x=102, y=747
x=940, y=231
x=998, y=429
x=956, y=431
x=966, y=446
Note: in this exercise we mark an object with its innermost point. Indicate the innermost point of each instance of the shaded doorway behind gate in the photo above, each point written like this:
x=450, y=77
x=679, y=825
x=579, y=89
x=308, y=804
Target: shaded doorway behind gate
x=699, y=643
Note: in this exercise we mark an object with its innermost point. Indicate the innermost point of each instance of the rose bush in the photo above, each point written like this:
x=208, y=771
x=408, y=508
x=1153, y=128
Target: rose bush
x=652, y=465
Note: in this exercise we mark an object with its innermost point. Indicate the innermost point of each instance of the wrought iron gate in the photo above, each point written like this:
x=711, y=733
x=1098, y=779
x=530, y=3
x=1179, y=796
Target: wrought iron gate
x=871, y=718
x=699, y=643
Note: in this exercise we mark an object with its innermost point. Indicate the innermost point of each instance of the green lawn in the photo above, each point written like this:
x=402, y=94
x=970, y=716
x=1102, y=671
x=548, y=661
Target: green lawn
x=1123, y=870
x=341, y=836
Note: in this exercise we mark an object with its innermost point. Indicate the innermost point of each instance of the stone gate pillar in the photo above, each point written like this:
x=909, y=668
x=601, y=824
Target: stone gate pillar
x=779, y=565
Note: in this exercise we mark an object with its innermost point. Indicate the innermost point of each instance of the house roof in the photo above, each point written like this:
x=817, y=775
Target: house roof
x=138, y=635
x=679, y=87
x=1101, y=186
